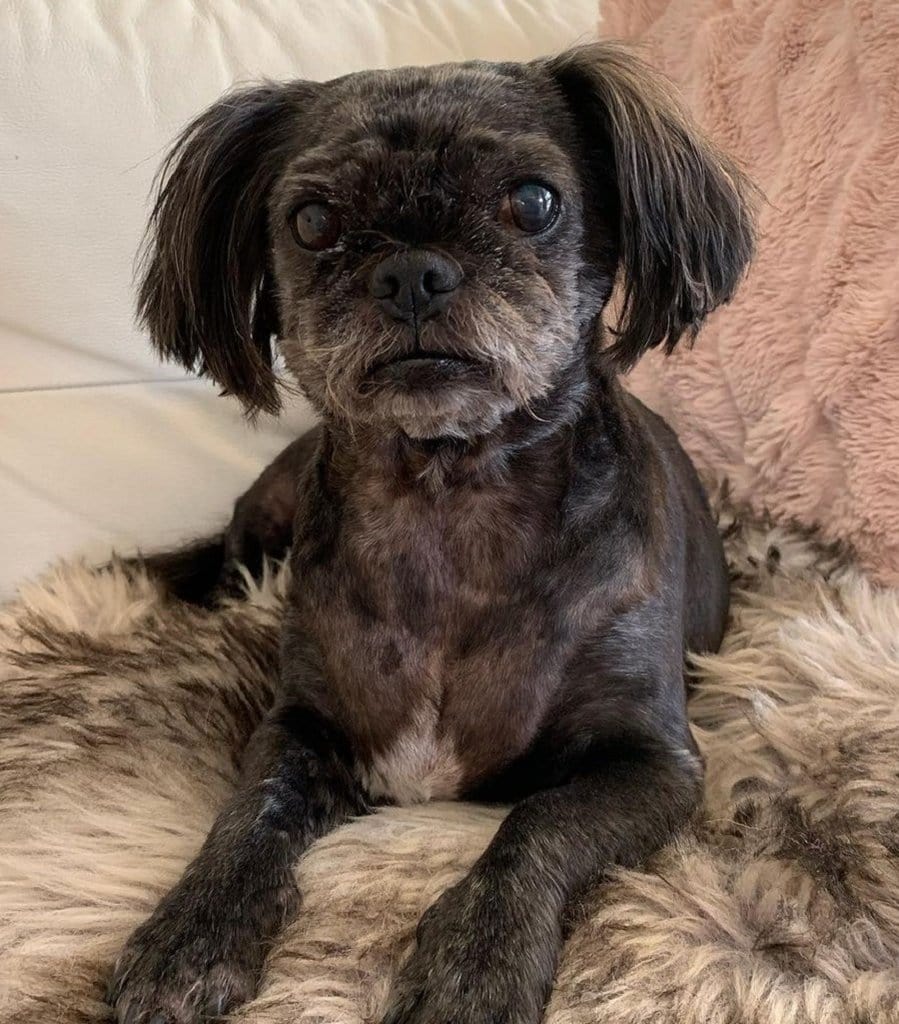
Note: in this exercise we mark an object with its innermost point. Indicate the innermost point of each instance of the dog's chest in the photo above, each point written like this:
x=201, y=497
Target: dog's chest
x=433, y=637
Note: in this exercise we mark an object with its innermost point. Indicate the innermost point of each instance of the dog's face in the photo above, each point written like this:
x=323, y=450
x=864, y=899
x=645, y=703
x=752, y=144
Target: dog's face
x=426, y=246
x=432, y=247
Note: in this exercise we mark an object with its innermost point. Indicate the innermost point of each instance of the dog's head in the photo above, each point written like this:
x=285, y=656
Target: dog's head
x=432, y=247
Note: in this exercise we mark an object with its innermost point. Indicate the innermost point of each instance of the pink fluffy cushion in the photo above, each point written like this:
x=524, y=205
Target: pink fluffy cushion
x=792, y=391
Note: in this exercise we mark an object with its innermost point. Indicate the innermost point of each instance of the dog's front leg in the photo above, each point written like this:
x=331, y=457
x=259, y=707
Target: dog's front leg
x=201, y=951
x=487, y=950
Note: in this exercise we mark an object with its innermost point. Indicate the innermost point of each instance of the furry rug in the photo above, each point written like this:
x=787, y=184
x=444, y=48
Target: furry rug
x=121, y=719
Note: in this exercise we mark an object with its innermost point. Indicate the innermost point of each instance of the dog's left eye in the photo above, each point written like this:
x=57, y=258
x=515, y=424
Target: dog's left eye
x=315, y=226
x=530, y=207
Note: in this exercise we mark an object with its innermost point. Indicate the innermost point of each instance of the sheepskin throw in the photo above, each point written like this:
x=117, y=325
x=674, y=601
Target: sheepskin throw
x=122, y=717
x=792, y=391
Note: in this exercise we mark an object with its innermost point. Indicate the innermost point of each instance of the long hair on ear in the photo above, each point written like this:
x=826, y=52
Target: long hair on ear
x=206, y=293
x=685, y=218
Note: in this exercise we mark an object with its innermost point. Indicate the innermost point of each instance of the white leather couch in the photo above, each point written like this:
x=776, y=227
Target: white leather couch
x=100, y=446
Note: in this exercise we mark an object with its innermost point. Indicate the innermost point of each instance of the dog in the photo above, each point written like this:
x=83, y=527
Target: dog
x=499, y=557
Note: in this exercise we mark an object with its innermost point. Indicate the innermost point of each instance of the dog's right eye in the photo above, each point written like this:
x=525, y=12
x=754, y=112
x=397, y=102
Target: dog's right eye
x=315, y=226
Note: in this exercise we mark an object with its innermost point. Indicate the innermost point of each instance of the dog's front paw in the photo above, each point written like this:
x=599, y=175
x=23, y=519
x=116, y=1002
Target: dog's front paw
x=185, y=964
x=477, y=962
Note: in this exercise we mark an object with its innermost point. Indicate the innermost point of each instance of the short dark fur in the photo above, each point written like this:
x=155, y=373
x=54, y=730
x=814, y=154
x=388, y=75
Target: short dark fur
x=499, y=557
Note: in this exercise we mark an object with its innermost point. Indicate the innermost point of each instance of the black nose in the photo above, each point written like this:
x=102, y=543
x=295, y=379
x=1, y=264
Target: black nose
x=416, y=284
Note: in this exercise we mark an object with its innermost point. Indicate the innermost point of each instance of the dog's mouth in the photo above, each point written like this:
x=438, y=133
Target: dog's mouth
x=425, y=369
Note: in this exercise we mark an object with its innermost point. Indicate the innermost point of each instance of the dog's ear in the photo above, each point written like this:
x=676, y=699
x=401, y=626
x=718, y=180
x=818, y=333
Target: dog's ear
x=206, y=292
x=684, y=216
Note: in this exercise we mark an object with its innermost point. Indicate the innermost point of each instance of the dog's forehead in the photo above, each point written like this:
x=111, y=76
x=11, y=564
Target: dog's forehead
x=409, y=120
x=414, y=106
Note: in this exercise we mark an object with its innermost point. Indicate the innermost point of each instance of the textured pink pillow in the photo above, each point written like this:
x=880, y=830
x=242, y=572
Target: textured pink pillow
x=792, y=391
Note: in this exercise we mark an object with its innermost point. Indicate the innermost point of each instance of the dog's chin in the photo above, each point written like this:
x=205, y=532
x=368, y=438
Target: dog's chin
x=474, y=423
x=425, y=401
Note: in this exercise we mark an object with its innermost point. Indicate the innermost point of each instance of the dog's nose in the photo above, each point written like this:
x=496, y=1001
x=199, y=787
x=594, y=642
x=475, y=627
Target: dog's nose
x=416, y=284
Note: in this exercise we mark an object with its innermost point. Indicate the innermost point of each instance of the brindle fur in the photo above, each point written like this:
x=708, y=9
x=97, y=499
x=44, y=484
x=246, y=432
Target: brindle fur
x=496, y=577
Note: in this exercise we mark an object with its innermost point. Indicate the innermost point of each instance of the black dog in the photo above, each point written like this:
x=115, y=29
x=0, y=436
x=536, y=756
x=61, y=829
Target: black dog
x=499, y=557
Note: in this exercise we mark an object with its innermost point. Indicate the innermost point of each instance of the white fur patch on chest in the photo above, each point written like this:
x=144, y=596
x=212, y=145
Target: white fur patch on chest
x=419, y=766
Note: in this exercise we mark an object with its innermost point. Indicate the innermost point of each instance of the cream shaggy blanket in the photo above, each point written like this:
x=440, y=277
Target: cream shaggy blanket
x=122, y=717
x=792, y=391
